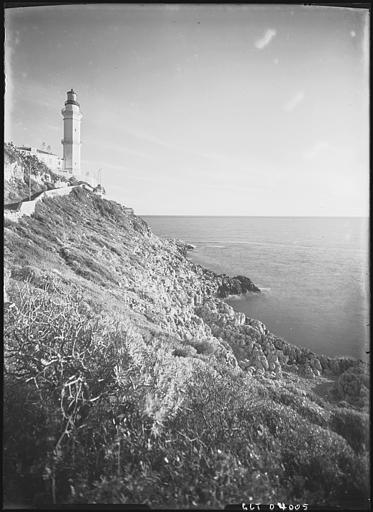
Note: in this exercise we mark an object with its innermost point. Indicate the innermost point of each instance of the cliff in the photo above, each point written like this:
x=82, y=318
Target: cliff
x=151, y=388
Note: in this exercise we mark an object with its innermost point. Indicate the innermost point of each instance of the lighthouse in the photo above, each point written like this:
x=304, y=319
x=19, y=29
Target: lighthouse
x=71, y=134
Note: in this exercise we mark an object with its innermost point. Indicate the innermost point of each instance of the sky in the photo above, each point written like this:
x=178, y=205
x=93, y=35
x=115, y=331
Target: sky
x=208, y=109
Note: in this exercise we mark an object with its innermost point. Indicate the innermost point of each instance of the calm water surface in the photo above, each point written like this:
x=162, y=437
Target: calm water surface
x=313, y=273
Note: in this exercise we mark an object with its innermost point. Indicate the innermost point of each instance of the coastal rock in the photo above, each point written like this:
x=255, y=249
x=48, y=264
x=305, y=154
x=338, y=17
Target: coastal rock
x=255, y=344
x=334, y=366
x=257, y=325
x=282, y=358
x=264, y=362
x=238, y=285
x=250, y=371
x=316, y=365
x=323, y=362
x=292, y=368
x=240, y=318
x=307, y=372
x=273, y=365
x=245, y=364
x=278, y=370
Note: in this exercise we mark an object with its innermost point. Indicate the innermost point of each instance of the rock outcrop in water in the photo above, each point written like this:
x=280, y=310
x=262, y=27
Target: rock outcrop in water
x=238, y=285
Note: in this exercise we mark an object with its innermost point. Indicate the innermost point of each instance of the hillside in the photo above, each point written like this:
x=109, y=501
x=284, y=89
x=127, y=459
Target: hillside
x=129, y=380
x=19, y=168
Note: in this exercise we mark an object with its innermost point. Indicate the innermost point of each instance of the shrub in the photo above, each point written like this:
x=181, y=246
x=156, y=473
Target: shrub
x=353, y=384
x=58, y=364
x=204, y=347
x=186, y=351
x=330, y=472
x=353, y=426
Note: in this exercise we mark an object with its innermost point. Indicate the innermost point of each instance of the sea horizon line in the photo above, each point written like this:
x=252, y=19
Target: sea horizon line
x=260, y=216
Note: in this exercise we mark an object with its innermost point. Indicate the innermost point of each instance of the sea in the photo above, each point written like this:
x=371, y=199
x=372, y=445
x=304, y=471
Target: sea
x=313, y=273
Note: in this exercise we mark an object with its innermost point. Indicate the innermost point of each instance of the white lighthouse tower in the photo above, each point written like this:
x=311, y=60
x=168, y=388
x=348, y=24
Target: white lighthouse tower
x=71, y=135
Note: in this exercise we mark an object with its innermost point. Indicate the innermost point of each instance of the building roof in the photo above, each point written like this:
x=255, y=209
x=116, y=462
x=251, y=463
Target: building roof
x=45, y=152
x=24, y=148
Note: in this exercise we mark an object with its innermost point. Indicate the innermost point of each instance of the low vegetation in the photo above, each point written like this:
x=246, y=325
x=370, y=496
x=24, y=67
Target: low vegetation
x=91, y=416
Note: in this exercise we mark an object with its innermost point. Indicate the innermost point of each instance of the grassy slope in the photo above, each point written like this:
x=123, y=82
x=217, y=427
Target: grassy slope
x=117, y=391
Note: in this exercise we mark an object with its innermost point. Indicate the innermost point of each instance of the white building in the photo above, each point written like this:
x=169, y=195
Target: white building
x=71, y=135
x=54, y=162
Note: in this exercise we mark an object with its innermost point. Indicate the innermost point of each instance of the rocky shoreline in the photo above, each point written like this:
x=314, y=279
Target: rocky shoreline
x=259, y=352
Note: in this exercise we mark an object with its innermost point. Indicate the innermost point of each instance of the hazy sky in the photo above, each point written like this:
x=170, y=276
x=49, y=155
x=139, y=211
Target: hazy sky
x=201, y=109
